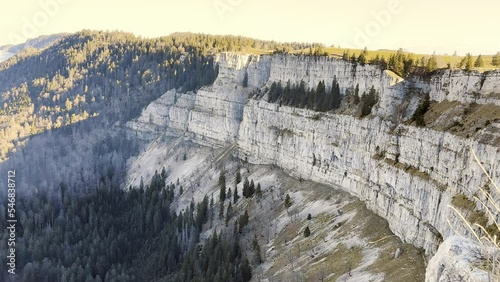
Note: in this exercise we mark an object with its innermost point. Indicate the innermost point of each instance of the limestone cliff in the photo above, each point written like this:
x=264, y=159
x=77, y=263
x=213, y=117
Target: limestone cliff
x=406, y=174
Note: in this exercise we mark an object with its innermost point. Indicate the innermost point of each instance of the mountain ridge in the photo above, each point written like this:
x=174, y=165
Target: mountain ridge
x=403, y=146
x=39, y=43
x=385, y=159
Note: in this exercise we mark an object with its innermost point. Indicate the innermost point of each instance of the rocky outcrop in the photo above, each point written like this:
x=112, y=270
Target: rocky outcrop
x=406, y=174
x=457, y=259
x=466, y=87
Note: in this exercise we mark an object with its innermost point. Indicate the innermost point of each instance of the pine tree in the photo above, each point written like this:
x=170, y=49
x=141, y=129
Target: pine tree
x=336, y=98
x=256, y=250
x=238, y=176
x=431, y=64
x=363, y=57
x=422, y=108
x=356, y=99
x=244, y=220
x=288, y=201
x=245, y=80
x=272, y=93
x=307, y=232
x=251, y=189
x=222, y=185
x=246, y=187
x=236, y=197
x=229, y=212
x=246, y=270
x=221, y=210
x=345, y=55
x=479, y=62
x=496, y=60
x=258, y=190
x=319, y=98
x=368, y=101
x=466, y=62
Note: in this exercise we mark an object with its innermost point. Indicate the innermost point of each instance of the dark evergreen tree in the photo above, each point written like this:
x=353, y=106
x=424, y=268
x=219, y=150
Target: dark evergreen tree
x=238, y=176
x=307, y=232
x=367, y=102
x=222, y=187
x=258, y=190
x=246, y=188
x=479, y=63
x=431, y=64
x=246, y=270
x=256, y=250
x=495, y=61
x=363, y=57
x=236, y=197
x=243, y=220
x=423, y=107
x=251, y=189
x=229, y=213
x=288, y=201
x=245, y=80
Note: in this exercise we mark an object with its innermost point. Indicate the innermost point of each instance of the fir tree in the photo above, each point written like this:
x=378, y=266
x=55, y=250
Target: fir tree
x=221, y=210
x=363, y=57
x=246, y=270
x=222, y=185
x=246, y=188
x=336, y=98
x=288, y=201
x=229, y=212
x=245, y=80
x=307, y=232
x=431, y=64
x=235, y=194
x=251, y=189
x=243, y=220
x=479, y=63
x=467, y=62
x=238, y=176
x=258, y=190
x=256, y=250
x=495, y=61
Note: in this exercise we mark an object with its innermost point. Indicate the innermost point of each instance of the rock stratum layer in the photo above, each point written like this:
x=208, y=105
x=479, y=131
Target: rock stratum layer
x=408, y=175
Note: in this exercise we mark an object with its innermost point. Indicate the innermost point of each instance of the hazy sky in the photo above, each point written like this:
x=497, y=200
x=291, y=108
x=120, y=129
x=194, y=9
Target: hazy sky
x=417, y=25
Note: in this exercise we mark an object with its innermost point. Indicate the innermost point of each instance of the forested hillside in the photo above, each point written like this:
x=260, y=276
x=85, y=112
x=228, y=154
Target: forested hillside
x=61, y=116
x=112, y=235
x=104, y=79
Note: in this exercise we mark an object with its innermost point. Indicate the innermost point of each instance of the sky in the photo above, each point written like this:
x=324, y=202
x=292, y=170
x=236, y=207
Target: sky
x=420, y=26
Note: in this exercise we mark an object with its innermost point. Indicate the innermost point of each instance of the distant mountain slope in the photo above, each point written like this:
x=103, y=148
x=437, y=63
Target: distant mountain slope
x=40, y=42
x=5, y=55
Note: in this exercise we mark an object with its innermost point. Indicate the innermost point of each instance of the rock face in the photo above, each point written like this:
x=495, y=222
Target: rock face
x=453, y=262
x=467, y=87
x=407, y=175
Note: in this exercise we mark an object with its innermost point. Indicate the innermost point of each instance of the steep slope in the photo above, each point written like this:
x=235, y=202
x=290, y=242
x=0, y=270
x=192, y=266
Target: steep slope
x=406, y=174
x=348, y=242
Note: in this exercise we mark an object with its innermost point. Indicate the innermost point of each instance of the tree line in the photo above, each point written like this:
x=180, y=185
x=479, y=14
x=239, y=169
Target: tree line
x=319, y=99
